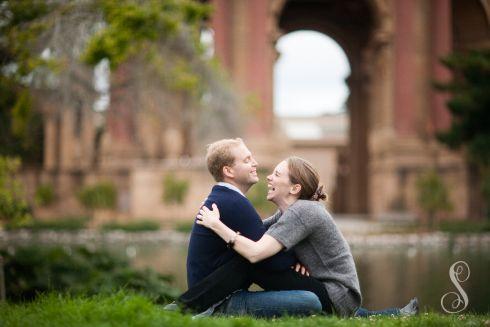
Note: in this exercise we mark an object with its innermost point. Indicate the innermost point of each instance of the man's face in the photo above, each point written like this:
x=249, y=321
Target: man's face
x=244, y=169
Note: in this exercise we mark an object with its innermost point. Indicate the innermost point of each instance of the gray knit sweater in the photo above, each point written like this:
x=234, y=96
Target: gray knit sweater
x=307, y=227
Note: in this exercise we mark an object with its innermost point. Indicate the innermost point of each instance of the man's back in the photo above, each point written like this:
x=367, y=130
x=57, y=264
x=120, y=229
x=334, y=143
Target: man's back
x=207, y=251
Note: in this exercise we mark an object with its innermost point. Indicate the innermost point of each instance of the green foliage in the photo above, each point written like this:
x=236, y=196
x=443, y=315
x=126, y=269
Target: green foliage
x=13, y=207
x=469, y=104
x=174, y=189
x=258, y=196
x=33, y=270
x=184, y=227
x=433, y=195
x=135, y=27
x=20, y=126
x=130, y=29
x=137, y=226
x=70, y=223
x=464, y=226
x=102, y=195
x=126, y=309
x=485, y=187
x=44, y=195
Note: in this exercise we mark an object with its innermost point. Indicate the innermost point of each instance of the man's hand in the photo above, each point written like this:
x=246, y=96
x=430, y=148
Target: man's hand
x=208, y=218
x=301, y=269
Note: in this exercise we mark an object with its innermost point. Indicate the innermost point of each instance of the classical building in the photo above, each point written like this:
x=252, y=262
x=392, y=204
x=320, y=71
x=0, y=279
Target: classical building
x=393, y=47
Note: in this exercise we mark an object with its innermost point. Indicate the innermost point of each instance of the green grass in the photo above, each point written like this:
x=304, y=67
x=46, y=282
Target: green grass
x=125, y=309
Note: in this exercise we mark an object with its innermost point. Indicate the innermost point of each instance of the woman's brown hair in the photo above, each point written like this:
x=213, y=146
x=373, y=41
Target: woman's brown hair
x=302, y=172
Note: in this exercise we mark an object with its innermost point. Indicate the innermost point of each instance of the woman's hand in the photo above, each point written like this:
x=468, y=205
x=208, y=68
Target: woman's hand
x=300, y=268
x=208, y=218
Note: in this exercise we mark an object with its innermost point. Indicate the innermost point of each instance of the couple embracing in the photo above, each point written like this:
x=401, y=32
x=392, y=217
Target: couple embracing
x=298, y=255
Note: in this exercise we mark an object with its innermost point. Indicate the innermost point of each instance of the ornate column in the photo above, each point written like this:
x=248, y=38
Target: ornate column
x=378, y=65
x=441, y=45
x=243, y=44
x=358, y=142
x=118, y=145
x=405, y=70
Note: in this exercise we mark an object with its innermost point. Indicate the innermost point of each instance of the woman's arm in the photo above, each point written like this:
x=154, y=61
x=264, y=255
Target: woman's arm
x=253, y=251
x=268, y=222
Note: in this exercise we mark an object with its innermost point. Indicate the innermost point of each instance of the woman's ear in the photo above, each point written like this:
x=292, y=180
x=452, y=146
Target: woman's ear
x=295, y=189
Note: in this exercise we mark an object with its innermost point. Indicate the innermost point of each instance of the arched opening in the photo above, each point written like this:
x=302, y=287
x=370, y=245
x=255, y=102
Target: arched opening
x=310, y=96
x=309, y=76
x=349, y=24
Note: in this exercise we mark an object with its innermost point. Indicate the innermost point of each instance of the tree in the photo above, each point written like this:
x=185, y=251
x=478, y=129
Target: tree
x=19, y=126
x=14, y=209
x=433, y=196
x=469, y=107
x=52, y=46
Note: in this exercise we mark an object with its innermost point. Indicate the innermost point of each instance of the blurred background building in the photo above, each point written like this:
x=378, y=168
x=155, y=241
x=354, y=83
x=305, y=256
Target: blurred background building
x=369, y=153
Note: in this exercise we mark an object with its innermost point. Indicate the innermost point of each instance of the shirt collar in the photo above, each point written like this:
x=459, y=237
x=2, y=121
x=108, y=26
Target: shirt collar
x=231, y=187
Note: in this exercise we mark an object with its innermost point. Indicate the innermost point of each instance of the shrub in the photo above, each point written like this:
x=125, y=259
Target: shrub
x=485, y=189
x=13, y=207
x=32, y=270
x=184, y=227
x=70, y=223
x=464, y=226
x=44, y=195
x=137, y=226
x=174, y=190
x=433, y=196
x=99, y=196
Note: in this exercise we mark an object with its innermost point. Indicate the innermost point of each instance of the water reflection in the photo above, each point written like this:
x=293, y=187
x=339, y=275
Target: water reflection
x=389, y=276
x=390, y=273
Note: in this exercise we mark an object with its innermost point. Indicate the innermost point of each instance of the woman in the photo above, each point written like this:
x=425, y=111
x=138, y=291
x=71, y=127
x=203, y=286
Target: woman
x=303, y=223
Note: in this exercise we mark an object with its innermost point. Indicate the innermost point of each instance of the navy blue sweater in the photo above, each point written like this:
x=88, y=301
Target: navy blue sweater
x=207, y=251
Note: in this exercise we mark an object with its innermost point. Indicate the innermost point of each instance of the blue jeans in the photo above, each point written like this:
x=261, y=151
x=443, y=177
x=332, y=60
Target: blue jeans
x=268, y=304
x=362, y=312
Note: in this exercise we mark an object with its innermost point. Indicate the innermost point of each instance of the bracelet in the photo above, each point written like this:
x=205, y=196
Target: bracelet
x=231, y=242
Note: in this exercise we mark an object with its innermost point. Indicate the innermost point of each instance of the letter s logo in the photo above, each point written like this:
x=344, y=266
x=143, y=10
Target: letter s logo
x=456, y=274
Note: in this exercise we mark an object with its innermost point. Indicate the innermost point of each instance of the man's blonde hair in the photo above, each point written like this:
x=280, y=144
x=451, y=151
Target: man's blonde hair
x=219, y=155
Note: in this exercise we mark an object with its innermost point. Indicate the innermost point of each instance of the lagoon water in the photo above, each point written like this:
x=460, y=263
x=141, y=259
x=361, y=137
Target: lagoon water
x=389, y=276
x=391, y=268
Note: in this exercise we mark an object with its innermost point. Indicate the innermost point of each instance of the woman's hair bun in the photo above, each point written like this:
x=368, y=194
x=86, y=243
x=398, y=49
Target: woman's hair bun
x=319, y=194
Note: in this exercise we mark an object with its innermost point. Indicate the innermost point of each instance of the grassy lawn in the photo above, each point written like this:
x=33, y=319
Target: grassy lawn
x=123, y=309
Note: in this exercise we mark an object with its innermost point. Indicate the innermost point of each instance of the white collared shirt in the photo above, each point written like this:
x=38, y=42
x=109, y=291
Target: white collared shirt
x=231, y=187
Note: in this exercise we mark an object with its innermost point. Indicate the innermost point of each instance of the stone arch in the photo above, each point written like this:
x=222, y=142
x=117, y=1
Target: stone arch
x=394, y=49
x=350, y=24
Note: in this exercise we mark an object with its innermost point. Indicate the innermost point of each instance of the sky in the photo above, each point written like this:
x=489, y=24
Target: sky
x=309, y=76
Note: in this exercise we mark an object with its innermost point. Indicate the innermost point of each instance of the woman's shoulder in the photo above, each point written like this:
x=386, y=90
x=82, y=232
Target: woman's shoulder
x=309, y=208
x=308, y=204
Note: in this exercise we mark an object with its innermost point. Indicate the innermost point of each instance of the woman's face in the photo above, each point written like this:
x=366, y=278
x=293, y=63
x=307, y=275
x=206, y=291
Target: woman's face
x=278, y=183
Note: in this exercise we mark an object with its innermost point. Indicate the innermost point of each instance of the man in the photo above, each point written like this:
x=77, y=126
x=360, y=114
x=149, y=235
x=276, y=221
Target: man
x=233, y=167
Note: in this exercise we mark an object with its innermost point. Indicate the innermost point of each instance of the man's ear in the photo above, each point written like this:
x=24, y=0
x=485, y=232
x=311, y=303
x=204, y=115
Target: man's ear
x=295, y=189
x=228, y=172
